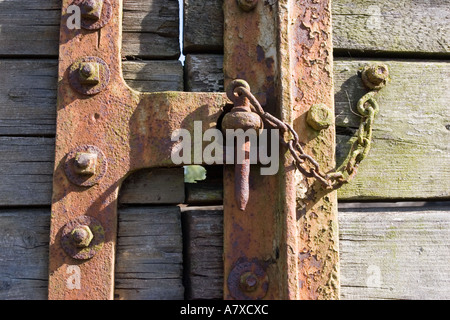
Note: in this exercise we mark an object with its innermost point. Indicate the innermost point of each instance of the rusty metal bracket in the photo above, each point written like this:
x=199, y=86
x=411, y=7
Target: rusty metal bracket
x=105, y=130
x=283, y=50
x=283, y=243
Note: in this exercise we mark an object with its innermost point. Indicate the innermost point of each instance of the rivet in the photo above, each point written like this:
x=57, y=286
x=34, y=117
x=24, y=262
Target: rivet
x=247, y=5
x=248, y=280
x=319, y=117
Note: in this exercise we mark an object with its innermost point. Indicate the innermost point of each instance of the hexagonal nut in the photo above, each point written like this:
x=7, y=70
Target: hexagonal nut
x=91, y=9
x=89, y=73
x=375, y=76
x=319, y=117
x=86, y=163
x=82, y=236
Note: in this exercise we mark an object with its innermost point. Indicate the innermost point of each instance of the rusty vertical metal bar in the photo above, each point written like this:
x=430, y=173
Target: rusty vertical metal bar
x=285, y=243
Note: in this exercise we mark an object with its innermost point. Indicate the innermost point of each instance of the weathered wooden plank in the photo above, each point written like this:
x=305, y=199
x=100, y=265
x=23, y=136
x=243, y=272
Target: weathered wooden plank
x=410, y=150
x=203, y=239
x=153, y=75
x=26, y=168
x=28, y=97
x=164, y=185
x=385, y=253
x=149, y=254
x=362, y=25
x=208, y=191
x=151, y=28
x=148, y=260
x=411, y=128
x=203, y=26
x=24, y=253
x=392, y=26
x=28, y=91
x=395, y=254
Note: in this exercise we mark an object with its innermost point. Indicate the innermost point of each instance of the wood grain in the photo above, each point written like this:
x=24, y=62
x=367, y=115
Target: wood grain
x=31, y=28
x=385, y=253
x=410, y=151
x=28, y=91
x=408, y=159
x=414, y=27
x=148, y=263
x=149, y=259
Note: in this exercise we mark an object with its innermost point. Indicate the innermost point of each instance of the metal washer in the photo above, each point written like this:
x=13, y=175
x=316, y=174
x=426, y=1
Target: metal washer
x=242, y=267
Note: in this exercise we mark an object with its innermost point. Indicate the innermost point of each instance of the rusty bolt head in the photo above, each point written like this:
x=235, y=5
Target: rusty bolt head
x=241, y=120
x=249, y=282
x=91, y=9
x=375, y=76
x=247, y=5
x=82, y=236
x=319, y=117
x=86, y=163
x=89, y=73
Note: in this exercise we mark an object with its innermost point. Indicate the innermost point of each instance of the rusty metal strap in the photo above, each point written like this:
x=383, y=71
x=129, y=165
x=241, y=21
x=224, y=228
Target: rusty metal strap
x=105, y=130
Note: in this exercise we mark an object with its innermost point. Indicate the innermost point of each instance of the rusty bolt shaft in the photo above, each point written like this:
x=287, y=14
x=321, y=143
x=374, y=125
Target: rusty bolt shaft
x=241, y=176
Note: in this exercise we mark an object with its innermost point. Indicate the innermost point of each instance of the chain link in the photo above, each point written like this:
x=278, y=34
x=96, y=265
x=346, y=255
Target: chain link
x=367, y=107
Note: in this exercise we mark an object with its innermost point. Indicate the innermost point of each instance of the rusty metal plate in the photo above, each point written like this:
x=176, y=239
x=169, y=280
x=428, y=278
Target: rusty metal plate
x=283, y=49
x=105, y=131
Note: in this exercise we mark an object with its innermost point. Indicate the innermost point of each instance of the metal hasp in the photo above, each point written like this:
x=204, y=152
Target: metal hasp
x=105, y=131
x=284, y=245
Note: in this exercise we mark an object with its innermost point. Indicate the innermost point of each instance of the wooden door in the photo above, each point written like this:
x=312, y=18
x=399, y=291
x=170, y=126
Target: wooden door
x=394, y=217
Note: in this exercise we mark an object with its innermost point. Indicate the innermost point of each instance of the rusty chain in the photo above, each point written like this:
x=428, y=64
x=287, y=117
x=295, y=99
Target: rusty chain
x=374, y=77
